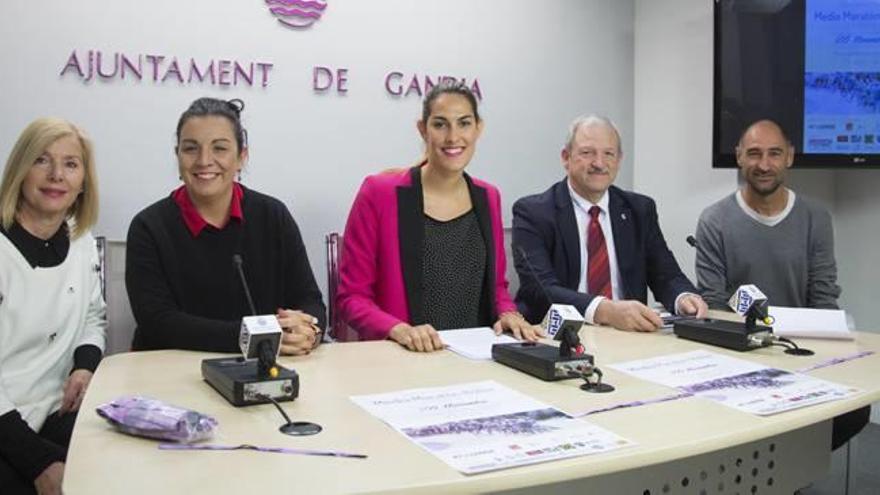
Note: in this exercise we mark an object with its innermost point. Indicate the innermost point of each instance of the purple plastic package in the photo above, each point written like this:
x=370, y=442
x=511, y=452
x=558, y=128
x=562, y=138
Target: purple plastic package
x=146, y=417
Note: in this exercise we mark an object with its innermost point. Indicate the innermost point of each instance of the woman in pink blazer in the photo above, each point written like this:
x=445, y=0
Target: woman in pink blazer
x=423, y=248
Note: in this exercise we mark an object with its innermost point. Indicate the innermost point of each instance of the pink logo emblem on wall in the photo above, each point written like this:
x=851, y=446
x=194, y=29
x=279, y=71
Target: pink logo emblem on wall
x=297, y=13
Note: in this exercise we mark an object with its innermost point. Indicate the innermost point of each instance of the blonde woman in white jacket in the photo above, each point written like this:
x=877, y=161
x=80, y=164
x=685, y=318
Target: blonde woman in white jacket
x=52, y=313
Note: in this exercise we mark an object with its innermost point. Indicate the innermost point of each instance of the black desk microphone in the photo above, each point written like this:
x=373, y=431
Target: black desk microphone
x=547, y=362
x=255, y=377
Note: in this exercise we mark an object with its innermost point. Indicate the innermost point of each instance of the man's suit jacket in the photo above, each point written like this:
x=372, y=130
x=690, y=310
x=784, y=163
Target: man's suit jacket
x=545, y=230
x=380, y=271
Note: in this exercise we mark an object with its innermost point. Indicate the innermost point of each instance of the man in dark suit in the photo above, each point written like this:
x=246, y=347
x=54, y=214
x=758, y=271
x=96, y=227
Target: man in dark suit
x=595, y=246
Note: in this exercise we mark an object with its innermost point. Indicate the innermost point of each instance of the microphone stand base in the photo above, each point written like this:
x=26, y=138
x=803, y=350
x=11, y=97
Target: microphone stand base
x=799, y=352
x=300, y=428
x=597, y=388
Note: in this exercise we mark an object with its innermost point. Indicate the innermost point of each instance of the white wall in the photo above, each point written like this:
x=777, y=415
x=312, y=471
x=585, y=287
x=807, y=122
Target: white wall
x=673, y=117
x=538, y=67
x=646, y=64
x=857, y=230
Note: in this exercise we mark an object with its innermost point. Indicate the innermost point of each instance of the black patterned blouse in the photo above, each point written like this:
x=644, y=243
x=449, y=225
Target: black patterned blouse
x=454, y=272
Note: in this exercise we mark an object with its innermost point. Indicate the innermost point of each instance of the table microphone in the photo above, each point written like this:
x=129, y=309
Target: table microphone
x=259, y=338
x=562, y=322
x=559, y=317
x=730, y=334
x=749, y=302
x=256, y=375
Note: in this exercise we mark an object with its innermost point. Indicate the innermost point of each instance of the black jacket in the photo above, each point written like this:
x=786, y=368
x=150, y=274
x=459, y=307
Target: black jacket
x=545, y=229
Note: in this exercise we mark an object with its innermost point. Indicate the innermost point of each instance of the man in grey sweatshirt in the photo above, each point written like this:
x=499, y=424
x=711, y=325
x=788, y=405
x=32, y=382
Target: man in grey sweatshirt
x=764, y=234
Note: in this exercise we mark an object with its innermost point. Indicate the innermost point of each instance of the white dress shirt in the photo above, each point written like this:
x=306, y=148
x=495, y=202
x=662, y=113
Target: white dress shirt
x=582, y=215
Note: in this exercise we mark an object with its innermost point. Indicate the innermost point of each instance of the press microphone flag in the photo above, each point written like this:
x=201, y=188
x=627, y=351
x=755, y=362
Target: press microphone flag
x=749, y=299
x=258, y=329
x=561, y=318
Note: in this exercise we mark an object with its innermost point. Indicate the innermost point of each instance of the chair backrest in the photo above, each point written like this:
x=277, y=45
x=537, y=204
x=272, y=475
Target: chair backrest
x=120, y=321
x=101, y=244
x=338, y=330
x=512, y=275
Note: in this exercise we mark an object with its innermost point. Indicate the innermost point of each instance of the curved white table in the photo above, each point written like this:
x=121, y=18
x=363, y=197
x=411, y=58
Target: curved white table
x=687, y=445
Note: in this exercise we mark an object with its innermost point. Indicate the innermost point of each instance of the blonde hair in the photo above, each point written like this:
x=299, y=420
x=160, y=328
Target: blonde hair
x=32, y=143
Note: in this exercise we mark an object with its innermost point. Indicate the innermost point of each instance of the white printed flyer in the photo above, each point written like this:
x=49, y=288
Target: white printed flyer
x=736, y=383
x=484, y=426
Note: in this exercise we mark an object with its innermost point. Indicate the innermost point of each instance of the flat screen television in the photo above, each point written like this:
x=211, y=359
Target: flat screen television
x=811, y=65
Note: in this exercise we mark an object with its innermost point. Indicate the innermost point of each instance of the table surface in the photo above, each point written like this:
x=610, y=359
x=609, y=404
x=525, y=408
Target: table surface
x=104, y=461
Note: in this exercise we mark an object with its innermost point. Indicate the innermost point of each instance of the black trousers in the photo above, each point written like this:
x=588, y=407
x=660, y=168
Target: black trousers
x=56, y=430
x=848, y=425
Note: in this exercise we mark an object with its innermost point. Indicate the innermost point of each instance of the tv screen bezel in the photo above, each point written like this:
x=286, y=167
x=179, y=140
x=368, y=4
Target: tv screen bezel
x=726, y=159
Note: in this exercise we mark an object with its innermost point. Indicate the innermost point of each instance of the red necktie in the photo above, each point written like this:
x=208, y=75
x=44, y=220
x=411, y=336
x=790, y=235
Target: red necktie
x=598, y=272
